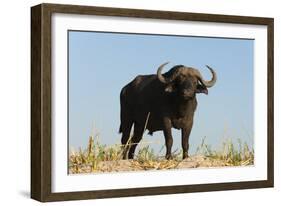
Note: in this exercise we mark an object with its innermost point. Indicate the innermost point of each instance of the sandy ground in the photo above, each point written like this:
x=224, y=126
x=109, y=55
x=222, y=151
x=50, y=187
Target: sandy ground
x=133, y=165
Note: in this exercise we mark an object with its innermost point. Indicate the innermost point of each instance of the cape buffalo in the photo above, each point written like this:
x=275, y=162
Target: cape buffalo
x=159, y=102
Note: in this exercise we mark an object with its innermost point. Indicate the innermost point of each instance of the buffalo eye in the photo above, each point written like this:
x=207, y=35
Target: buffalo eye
x=169, y=88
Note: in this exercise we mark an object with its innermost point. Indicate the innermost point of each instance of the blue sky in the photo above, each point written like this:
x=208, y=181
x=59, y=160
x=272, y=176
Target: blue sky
x=100, y=64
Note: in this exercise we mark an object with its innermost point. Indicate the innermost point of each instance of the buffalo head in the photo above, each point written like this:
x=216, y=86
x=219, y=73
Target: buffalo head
x=185, y=81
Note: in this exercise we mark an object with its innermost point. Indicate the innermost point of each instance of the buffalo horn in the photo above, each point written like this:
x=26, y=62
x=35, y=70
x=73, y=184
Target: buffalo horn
x=207, y=83
x=159, y=75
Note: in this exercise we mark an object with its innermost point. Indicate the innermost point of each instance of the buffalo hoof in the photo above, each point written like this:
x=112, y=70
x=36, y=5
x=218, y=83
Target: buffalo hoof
x=130, y=157
x=124, y=156
x=168, y=156
x=185, y=156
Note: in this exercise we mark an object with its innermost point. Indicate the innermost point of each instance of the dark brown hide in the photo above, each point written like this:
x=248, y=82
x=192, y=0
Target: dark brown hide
x=170, y=101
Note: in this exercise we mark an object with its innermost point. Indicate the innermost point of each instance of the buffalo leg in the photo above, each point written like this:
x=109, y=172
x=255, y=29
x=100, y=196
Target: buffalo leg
x=185, y=132
x=138, y=132
x=126, y=129
x=168, y=137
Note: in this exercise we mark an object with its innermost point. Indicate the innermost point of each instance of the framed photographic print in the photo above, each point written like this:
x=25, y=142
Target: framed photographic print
x=128, y=102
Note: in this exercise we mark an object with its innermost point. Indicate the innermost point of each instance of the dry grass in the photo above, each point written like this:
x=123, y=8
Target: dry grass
x=101, y=158
x=228, y=152
x=92, y=156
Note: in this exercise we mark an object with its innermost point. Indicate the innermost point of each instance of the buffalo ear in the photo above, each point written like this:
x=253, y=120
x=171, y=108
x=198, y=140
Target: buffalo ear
x=169, y=88
x=201, y=89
